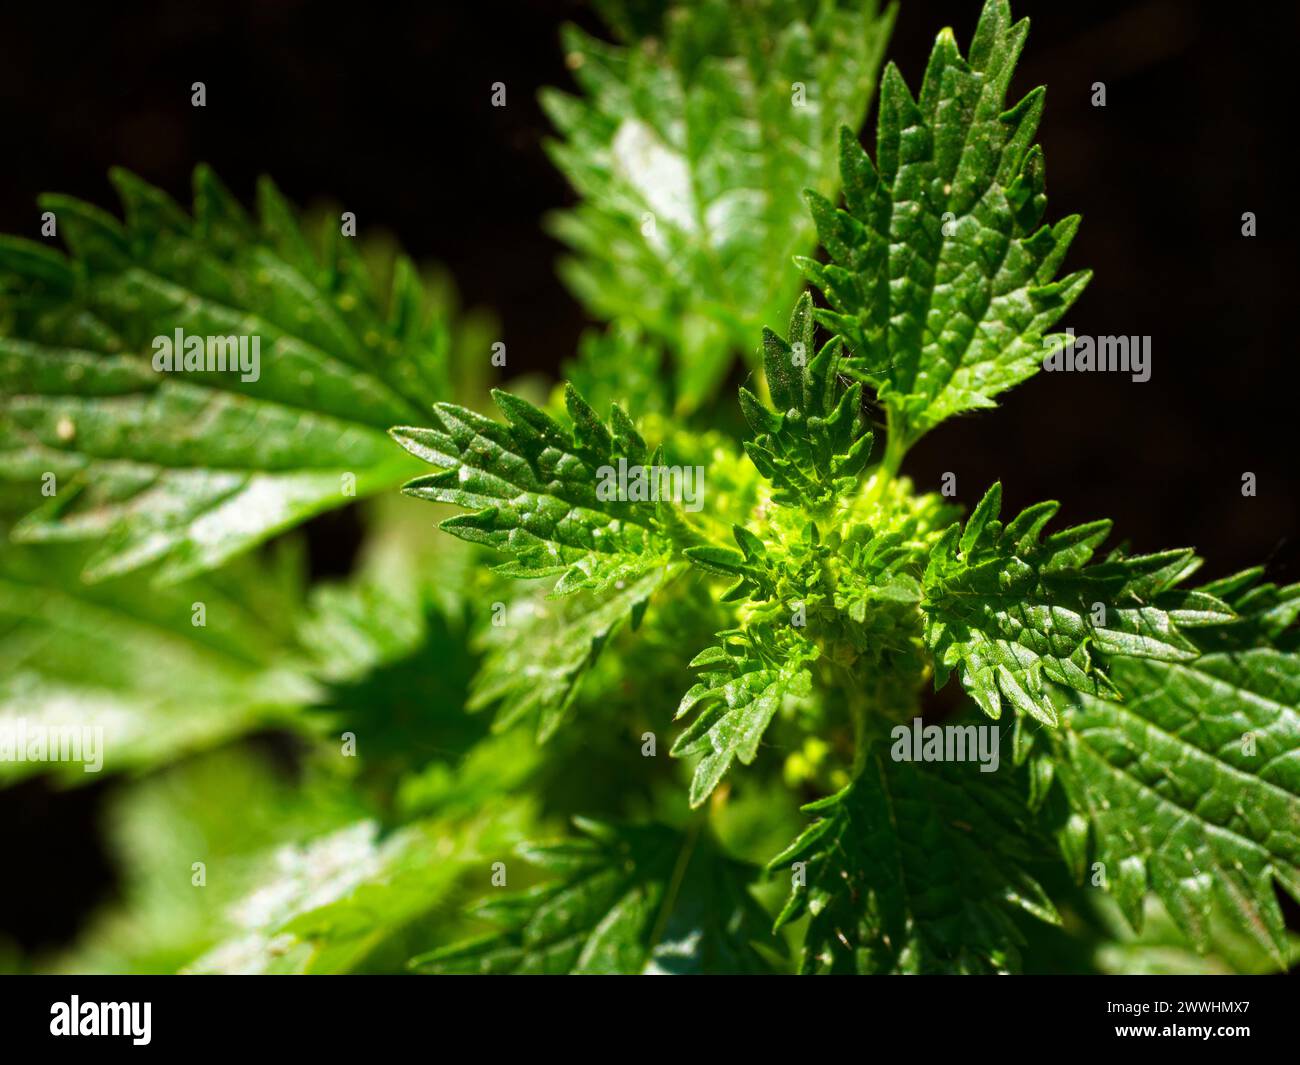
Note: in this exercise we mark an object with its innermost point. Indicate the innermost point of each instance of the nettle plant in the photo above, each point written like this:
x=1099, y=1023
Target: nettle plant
x=1127, y=739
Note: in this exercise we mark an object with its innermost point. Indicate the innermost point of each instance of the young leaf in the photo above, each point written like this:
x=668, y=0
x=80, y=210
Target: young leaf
x=747, y=677
x=193, y=467
x=812, y=447
x=1192, y=783
x=1011, y=609
x=942, y=273
x=546, y=495
x=914, y=868
x=625, y=900
x=689, y=148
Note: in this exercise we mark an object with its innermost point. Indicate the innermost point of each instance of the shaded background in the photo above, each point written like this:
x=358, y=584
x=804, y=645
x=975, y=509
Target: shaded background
x=387, y=113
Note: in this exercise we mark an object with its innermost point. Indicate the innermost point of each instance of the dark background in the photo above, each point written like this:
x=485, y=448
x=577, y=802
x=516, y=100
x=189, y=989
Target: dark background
x=386, y=112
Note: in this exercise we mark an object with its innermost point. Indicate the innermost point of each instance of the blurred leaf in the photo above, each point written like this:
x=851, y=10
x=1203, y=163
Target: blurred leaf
x=622, y=365
x=192, y=468
x=689, y=148
x=227, y=809
x=126, y=661
x=330, y=901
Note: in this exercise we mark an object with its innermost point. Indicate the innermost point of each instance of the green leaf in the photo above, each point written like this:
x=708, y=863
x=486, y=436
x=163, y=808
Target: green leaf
x=942, y=275
x=156, y=827
x=1192, y=784
x=1011, y=609
x=813, y=446
x=876, y=576
x=624, y=900
x=1161, y=949
x=360, y=895
x=394, y=651
x=547, y=495
x=914, y=868
x=536, y=660
x=191, y=468
x=689, y=148
x=330, y=901
x=747, y=679
x=127, y=667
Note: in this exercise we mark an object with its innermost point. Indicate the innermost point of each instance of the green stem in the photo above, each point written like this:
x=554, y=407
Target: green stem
x=895, y=444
